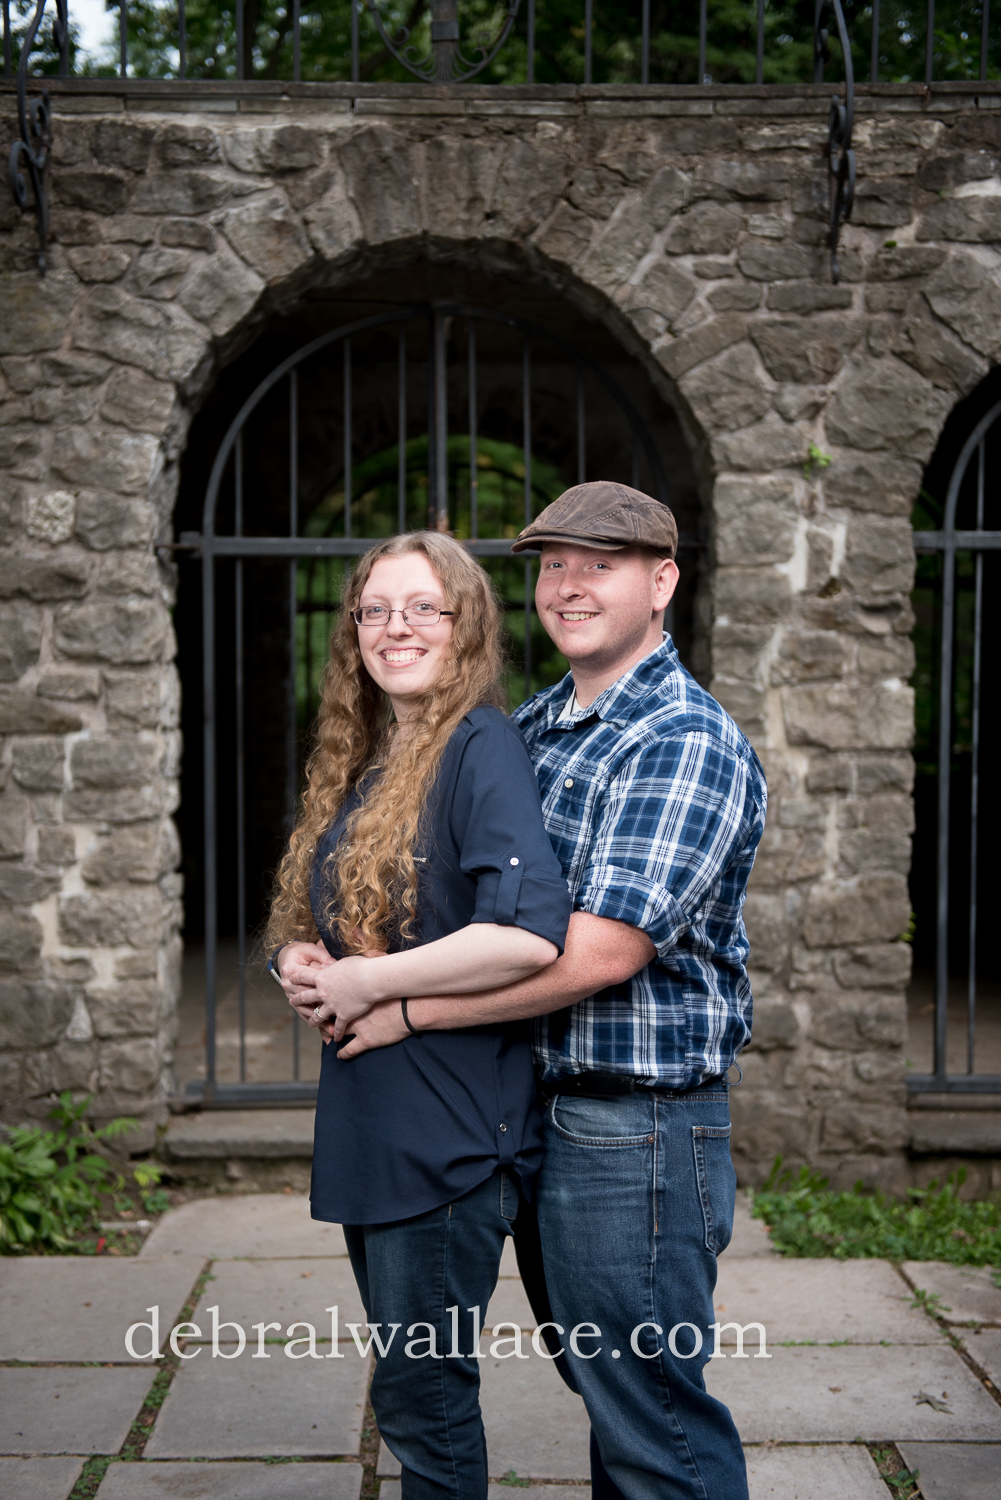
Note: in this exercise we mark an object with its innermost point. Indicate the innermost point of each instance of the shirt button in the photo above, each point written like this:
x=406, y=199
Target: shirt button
x=515, y=861
x=568, y=782
x=502, y=1127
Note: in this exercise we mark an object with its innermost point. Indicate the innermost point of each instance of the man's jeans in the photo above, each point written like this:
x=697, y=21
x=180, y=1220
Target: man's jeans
x=414, y=1271
x=635, y=1201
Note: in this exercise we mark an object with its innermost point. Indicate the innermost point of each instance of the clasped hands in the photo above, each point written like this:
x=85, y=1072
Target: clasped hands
x=330, y=993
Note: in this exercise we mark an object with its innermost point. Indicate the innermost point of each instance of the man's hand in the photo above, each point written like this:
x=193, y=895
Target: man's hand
x=380, y=1027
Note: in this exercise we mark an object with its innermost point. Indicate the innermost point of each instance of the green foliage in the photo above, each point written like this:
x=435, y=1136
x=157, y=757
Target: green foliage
x=807, y=1218
x=51, y=1180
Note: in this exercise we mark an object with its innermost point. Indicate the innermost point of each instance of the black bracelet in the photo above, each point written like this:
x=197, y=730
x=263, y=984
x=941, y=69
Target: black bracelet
x=406, y=1020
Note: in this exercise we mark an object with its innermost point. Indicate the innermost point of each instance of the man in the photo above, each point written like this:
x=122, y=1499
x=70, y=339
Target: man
x=655, y=804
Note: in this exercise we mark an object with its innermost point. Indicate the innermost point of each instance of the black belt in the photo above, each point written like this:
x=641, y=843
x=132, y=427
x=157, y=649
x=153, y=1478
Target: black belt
x=614, y=1085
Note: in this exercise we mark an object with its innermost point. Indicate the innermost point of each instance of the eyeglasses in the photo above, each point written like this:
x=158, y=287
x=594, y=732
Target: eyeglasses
x=423, y=613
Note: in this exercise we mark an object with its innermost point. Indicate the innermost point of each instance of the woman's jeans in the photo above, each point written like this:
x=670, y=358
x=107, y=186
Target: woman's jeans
x=635, y=1201
x=427, y=1404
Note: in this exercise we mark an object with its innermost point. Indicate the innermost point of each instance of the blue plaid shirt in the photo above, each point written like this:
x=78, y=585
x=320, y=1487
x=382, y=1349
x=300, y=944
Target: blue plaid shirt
x=655, y=803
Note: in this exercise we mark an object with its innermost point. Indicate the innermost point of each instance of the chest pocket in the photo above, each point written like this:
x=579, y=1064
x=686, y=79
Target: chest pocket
x=573, y=795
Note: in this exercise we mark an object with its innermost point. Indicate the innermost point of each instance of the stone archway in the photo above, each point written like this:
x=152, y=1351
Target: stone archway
x=809, y=408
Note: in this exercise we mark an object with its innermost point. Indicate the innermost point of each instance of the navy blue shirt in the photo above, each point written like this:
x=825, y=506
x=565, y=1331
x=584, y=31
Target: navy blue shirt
x=405, y=1129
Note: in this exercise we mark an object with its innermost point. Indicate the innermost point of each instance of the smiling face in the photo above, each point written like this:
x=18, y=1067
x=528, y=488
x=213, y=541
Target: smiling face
x=404, y=658
x=603, y=610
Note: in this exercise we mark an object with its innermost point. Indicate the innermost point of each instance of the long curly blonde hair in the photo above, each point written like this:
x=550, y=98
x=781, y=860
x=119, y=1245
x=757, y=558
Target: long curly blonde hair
x=373, y=887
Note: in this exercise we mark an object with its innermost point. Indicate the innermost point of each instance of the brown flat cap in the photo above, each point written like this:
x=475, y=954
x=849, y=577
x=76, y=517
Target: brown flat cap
x=602, y=514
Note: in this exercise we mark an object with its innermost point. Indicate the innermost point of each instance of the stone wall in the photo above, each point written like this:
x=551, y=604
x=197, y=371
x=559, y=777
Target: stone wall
x=692, y=222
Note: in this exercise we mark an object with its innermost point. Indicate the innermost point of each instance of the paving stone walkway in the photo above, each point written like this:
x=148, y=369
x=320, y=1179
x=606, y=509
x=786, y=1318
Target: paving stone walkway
x=849, y=1353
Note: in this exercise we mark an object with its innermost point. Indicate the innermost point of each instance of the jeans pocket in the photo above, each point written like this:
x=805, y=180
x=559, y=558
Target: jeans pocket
x=717, y=1183
x=586, y=1121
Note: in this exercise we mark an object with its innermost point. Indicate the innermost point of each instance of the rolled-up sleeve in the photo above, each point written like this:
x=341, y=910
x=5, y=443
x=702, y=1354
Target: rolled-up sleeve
x=496, y=821
x=669, y=824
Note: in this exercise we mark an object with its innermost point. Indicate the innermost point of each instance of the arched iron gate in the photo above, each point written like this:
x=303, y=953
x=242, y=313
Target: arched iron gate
x=972, y=496
x=240, y=548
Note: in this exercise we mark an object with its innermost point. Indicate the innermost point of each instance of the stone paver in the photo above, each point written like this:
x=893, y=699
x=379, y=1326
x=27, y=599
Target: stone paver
x=534, y=1425
x=864, y=1301
x=253, y=1408
x=750, y=1239
x=509, y=1304
x=221, y=1481
x=253, y=1133
x=968, y=1293
x=392, y=1489
x=269, y=1225
x=69, y=1411
x=955, y=1471
x=78, y=1307
x=836, y=1395
x=821, y=1472
x=285, y=1291
x=38, y=1478
x=386, y=1463
x=984, y=1348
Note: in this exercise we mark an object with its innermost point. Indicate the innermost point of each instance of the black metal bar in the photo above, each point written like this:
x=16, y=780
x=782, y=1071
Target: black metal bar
x=474, y=478
x=6, y=38
x=401, y=427
x=530, y=51
x=123, y=39
x=239, y=38
x=61, y=33
x=930, y=42
x=645, y=44
x=703, y=28
x=581, y=429
x=296, y=41
x=209, y=820
x=874, y=53
x=316, y=546
x=355, y=54
x=348, y=445
x=759, y=65
x=931, y=1083
x=965, y=541
x=978, y=600
x=241, y=831
x=944, y=773
x=291, y=744
x=819, y=41
x=526, y=440
x=588, y=28
x=985, y=21
x=182, y=39
x=634, y=464
x=439, y=497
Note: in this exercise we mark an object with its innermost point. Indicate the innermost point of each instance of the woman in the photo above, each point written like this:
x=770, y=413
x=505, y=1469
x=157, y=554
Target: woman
x=421, y=861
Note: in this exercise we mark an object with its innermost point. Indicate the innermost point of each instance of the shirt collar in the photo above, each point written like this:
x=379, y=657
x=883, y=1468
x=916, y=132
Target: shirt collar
x=618, y=702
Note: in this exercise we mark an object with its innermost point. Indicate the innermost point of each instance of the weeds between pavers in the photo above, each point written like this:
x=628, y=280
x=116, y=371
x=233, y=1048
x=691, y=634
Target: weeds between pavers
x=807, y=1218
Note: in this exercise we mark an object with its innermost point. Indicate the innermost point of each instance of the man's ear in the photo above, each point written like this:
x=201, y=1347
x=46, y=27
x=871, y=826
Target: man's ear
x=665, y=581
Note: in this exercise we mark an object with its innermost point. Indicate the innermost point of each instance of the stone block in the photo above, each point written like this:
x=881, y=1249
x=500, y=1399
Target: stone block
x=254, y=1225
x=974, y=220
x=875, y=482
x=22, y=713
x=39, y=765
x=663, y=289
x=187, y=232
x=820, y=1471
x=111, y=918
x=954, y=1471
x=807, y=351
x=858, y=1023
x=566, y=236
x=885, y=966
x=807, y=297
x=771, y=444
x=69, y=1065
x=886, y=404
x=266, y=233
x=133, y=331
x=117, y=461
x=840, y=1395
x=140, y=852
x=20, y=450
x=75, y=1308
x=129, y=573
x=799, y=403
x=33, y=313
x=381, y=178
x=20, y=942
x=776, y=1024
x=966, y=1294
x=133, y=1065
x=822, y=1301
x=135, y=700
x=596, y=191
x=141, y=965
x=75, y=1411
x=233, y=1481
x=530, y=179
x=49, y=576
x=897, y=262
x=135, y=1009
x=131, y=805
x=220, y=293
x=332, y=223
x=286, y=1291
x=750, y=181
x=866, y=1128
x=883, y=202
x=727, y=394
x=932, y=349
x=99, y=262
x=969, y=300
x=751, y=595
x=840, y=717
x=776, y=262
x=20, y=639
x=665, y=193
x=56, y=846
x=756, y=520
x=745, y=703
x=118, y=631
x=181, y=193
x=715, y=270
x=249, y=1408
x=704, y=229
x=39, y=1478
x=684, y=353
x=184, y=145
x=13, y=826
x=33, y=1014
x=808, y=655
x=158, y=272
x=735, y=296
x=737, y=649
x=879, y=556
x=869, y=909
x=961, y=1133
x=101, y=190
x=122, y=143
x=114, y=763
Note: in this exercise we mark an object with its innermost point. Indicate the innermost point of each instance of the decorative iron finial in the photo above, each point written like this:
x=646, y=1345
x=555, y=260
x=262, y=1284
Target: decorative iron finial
x=35, y=123
x=446, y=62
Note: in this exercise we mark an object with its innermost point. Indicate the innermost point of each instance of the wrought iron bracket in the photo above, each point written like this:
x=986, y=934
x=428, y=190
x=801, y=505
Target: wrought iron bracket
x=839, y=153
x=446, y=62
x=30, y=154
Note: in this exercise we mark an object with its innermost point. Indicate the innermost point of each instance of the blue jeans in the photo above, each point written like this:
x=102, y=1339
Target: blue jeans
x=412, y=1271
x=635, y=1202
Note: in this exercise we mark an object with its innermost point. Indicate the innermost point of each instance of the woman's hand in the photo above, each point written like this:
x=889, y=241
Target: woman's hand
x=341, y=992
x=381, y=1026
x=305, y=959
